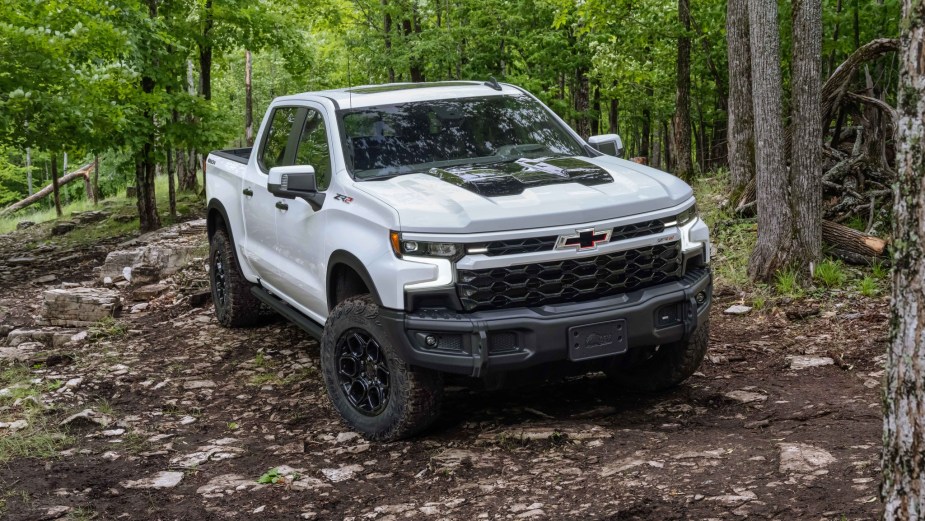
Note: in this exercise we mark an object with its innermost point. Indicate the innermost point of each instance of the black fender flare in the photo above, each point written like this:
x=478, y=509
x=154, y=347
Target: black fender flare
x=345, y=258
x=216, y=206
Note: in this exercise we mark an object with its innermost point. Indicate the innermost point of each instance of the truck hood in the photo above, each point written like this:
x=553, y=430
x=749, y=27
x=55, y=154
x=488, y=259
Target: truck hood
x=528, y=193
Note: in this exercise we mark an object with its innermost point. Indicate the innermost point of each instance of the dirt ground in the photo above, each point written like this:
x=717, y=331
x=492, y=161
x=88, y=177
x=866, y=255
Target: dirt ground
x=216, y=409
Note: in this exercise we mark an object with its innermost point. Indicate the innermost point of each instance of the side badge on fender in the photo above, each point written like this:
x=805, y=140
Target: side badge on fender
x=343, y=198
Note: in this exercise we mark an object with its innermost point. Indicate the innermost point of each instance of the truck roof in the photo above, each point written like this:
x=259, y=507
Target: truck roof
x=392, y=93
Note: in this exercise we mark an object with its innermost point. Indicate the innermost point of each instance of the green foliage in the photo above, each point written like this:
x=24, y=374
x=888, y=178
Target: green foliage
x=868, y=286
x=831, y=273
x=271, y=477
x=788, y=283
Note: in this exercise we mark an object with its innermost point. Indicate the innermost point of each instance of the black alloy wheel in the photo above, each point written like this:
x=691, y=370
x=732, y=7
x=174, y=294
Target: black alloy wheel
x=218, y=280
x=363, y=372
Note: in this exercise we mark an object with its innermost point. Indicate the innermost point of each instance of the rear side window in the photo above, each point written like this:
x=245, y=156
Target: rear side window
x=274, y=145
x=313, y=148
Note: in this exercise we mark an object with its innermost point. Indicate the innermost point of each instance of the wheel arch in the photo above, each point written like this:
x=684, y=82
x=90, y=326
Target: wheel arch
x=341, y=265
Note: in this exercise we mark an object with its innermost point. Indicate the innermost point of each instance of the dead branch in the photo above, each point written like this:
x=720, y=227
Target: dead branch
x=834, y=88
x=82, y=172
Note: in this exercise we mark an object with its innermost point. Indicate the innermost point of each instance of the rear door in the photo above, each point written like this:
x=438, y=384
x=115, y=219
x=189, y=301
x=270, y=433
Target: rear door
x=276, y=148
x=299, y=228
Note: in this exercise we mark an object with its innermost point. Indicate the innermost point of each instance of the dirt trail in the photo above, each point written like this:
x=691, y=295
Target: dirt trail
x=198, y=413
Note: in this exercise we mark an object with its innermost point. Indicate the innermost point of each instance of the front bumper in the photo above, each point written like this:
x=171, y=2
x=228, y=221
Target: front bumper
x=498, y=341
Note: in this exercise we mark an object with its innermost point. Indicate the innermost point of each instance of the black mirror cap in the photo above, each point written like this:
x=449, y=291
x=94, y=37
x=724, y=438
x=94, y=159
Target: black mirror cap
x=298, y=186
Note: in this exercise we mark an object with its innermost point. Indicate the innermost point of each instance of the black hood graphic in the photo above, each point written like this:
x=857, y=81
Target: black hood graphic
x=513, y=177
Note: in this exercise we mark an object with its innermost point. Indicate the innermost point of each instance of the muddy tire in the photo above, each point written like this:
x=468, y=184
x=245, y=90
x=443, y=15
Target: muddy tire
x=374, y=390
x=664, y=367
x=235, y=305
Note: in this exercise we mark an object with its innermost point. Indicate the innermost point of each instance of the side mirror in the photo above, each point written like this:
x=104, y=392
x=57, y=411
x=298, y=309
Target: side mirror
x=295, y=182
x=609, y=144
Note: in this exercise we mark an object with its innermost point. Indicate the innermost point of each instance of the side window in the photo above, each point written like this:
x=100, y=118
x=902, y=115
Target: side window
x=274, y=145
x=313, y=148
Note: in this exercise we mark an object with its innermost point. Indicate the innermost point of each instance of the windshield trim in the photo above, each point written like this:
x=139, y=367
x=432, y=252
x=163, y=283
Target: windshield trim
x=348, y=159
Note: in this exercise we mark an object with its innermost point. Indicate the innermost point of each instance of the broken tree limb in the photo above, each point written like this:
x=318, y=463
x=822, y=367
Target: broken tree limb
x=81, y=173
x=851, y=245
x=834, y=88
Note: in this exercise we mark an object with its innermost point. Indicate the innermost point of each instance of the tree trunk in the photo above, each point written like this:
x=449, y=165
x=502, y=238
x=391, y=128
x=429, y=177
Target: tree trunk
x=171, y=185
x=96, y=180
x=54, y=184
x=387, y=36
x=205, y=51
x=775, y=219
x=613, y=118
x=741, y=123
x=684, y=167
x=29, y=168
x=903, y=488
x=145, y=166
x=581, y=102
x=806, y=121
x=248, y=101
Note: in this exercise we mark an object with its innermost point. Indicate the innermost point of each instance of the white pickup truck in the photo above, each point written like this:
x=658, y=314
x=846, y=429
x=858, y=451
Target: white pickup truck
x=459, y=227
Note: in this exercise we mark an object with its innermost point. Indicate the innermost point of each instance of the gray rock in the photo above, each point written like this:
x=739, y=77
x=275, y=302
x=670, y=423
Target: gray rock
x=342, y=473
x=745, y=396
x=804, y=362
x=20, y=261
x=163, y=479
x=63, y=227
x=22, y=225
x=148, y=292
x=22, y=352
x=87, y=418
x=45, y=279
x=737, y=310
x=801, y=458
x=79, y=306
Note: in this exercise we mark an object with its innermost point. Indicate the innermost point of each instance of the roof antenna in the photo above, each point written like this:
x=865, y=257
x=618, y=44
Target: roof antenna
x=493, y=83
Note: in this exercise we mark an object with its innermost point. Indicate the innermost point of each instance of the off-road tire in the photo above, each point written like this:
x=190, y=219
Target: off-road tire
x=414, y=394
x=667, y=367
x=235, y=305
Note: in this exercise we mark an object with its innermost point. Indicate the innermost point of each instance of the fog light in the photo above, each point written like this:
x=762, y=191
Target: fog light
x=430, y=341
x=700, y=298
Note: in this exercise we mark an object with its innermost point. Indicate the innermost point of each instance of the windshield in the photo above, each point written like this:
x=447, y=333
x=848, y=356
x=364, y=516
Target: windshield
x=413, y=137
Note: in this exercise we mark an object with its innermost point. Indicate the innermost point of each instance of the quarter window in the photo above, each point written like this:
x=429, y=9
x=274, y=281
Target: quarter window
x=313, y=148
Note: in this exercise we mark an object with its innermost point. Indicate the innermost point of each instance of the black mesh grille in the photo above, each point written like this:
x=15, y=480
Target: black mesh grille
x=502, y=342
x=569, y=280
x=534, y=244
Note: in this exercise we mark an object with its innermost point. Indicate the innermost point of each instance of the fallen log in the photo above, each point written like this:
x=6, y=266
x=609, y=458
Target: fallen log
x=851, y=245
x=82, y=172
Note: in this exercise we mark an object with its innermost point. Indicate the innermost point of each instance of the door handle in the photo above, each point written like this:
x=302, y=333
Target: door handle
x=248, y=192
x=282, y=206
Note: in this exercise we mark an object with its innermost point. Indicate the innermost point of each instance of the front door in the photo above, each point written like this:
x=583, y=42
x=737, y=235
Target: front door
x=299, y=229
x=258, y=204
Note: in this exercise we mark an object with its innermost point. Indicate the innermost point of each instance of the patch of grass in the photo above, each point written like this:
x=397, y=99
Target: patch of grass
x=831, y=273
x=135, y=443
x=868, y=286
x=107, y=328
x=32, y=443
x=81, y=514
x=732, y=237
x=41, y=438
x=788, y=283
x=879, y=269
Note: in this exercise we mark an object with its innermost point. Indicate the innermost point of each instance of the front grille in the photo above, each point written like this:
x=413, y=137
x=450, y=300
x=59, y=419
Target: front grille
x=535, y=244
x=569, y=280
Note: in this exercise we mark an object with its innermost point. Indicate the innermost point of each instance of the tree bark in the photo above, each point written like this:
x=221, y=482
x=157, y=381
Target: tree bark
x=775, y=219
x=741, y=123
x=145, y=166
x=850, y=240
x=581, y=102
x=171, y=185
x=54, y=184
x=684, y=167
x=248, y=101
x=903, y=489
x=205, y=51
x=96, y=180
x=806, y=148
x=29, y=168
x=613, y=117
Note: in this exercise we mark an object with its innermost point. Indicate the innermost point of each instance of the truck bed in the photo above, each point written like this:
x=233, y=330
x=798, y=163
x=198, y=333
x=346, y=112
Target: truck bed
x=240, y=155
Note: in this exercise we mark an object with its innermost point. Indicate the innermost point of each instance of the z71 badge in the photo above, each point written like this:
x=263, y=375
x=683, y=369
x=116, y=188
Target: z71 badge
x=343, y=198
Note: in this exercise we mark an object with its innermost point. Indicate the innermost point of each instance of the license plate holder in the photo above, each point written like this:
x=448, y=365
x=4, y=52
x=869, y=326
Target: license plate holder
x=597, y=340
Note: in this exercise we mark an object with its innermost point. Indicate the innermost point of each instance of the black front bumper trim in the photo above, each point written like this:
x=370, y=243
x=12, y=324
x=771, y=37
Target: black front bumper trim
x=541, y=332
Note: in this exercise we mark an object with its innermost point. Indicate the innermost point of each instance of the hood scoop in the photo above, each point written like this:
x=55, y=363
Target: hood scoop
x=512, y=178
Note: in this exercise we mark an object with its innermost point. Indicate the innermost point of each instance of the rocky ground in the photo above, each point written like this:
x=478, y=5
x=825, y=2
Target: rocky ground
x=162, y=414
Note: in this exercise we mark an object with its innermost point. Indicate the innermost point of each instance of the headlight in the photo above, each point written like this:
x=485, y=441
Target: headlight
x=686, y=216
x=401, y=247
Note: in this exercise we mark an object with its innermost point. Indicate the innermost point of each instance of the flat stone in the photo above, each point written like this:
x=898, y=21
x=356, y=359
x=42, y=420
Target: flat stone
x=342, y=473
x=22, y=225
x=87, y=417
x=79, y=306
x=804, y=362
x=743, y=396
x=198, y=384
x=163, y=479
x=737, y=310
x=148, y=292
x=45, y=279
x=63, y=227
x=21, y=352
x=217, y=450
x=550, y=432
x=801, y=458
x=20, y=261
